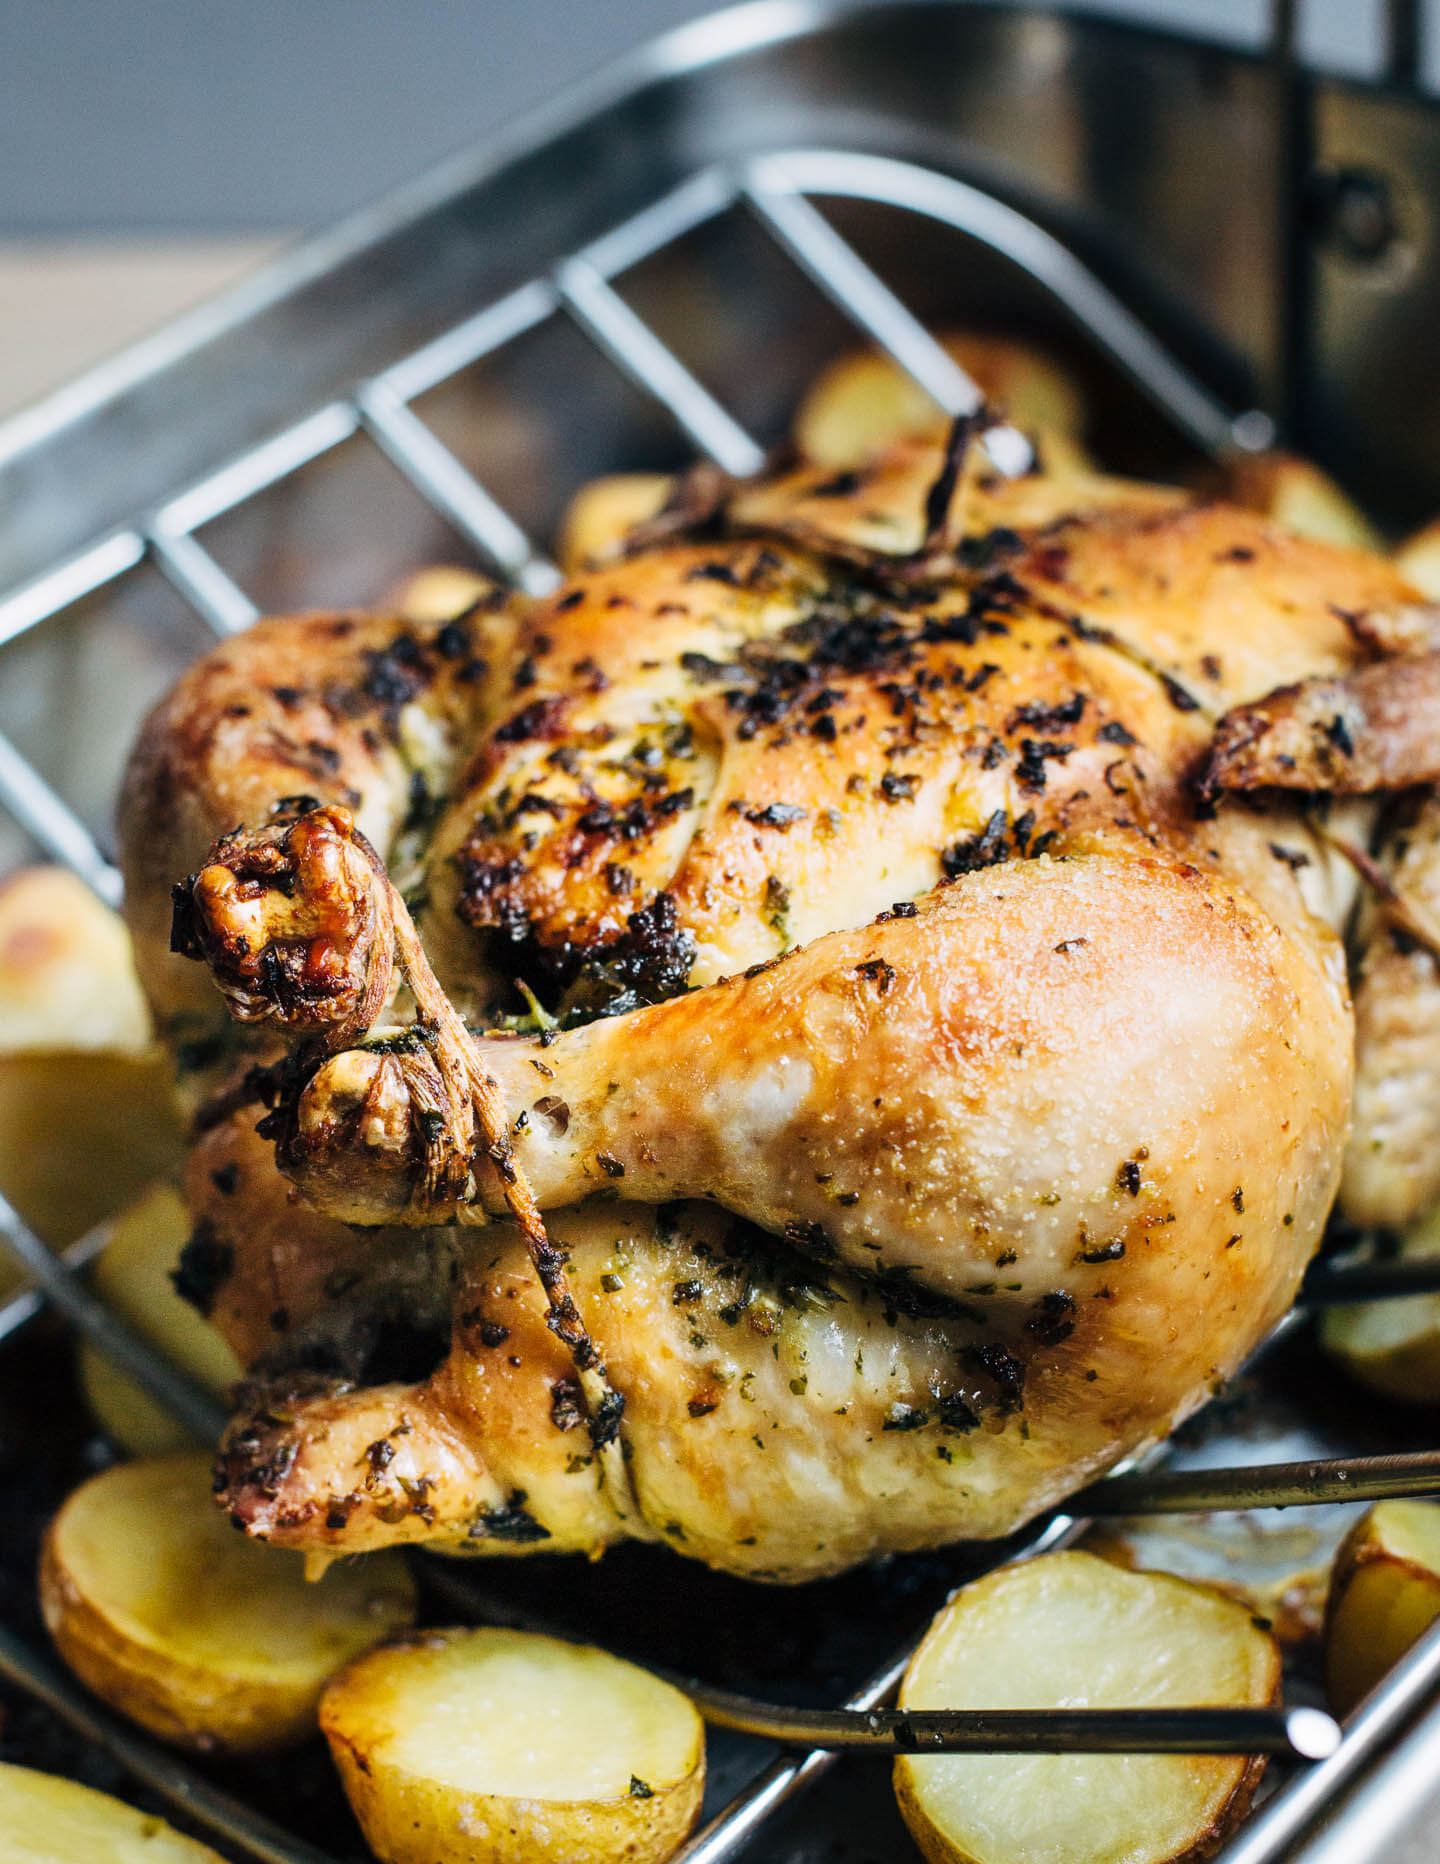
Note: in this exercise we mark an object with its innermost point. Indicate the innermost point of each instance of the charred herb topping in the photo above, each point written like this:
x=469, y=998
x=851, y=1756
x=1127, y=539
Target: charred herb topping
x=1053, y=1318
x=205, y=1265
x=512, y=1522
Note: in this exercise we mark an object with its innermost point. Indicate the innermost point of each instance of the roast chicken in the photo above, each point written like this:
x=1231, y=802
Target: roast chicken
x=811, y=1041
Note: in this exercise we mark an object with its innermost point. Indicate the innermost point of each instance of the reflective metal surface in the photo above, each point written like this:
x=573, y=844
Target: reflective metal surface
x=592, y=293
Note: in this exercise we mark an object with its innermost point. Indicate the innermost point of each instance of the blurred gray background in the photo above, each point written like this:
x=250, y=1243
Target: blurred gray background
x=152, y=150
x=197, y=116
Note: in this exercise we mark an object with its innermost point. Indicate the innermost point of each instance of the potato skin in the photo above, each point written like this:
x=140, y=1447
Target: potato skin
x=1381, y=1601
x=184, y=1704
x=408, y=1818
x=1219, y=1821
x=205, y=1706
x=938, y=1849
x=49, y=1820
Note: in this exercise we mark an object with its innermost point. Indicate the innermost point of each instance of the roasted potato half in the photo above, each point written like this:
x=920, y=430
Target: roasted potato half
x=602, y=513
x=46, y=1820
x=440, y=592
x=458, y=1746
x=1392, y=1347
x=1384, y=1592
x=1299, y=497
x=1068, y=1629
x=67, y=980
x=85, y=1113
x=1419, y=559
x=133, y=1275
x=209, y=1639
x=864, y=401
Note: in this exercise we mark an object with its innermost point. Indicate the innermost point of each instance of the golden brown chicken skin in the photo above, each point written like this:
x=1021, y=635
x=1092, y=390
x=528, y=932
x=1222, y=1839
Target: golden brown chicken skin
x=976, y=1089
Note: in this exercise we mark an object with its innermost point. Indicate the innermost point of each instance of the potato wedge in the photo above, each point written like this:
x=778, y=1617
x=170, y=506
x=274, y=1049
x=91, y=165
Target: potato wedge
x=46, y=1820
x=603, y=511
x=864, y=400
x=1070, y=1629
x=1392, y=1347
x=1384, y=1591
x=211, y=1640
x=483, y=1744
x=133, y=1275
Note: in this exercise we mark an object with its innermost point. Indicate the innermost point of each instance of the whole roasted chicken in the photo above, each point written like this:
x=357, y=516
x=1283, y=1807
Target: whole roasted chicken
x=811, y=1041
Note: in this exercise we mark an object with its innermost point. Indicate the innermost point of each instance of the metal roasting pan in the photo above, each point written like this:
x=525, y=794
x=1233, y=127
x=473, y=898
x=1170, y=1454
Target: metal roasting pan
x=1221, y=242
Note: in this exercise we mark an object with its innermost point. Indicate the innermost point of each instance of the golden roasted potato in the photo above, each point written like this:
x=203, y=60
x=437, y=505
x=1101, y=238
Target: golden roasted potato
x=1384, y=1591
x=1068, y=1629
x=1392, y=1347
x=67, y=982
x=81, y=1134
x=1299, y=497
x=132, y=1275
x=1418, y=559
x=210, y=1640
x=46, y=1820
x=864, y=400
x=458, y=1746
x=85, y=1113
x=603, y=511
x=439, y=593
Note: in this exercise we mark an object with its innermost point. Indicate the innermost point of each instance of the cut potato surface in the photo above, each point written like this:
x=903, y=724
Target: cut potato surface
x=45, y=1820
x=1070, y=1630
x=1384, y=1593
x=210, y=1639
x=1392, y=1347
x=132, y=1275
x=485, y=1744
x=85, y=1113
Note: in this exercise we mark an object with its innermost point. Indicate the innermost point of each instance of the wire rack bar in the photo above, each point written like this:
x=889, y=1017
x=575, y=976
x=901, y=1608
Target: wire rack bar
x=1265, y=1485
x=1122, y=336
x=189, y=567
x=703, y=197
x=843, y=275
x=29, y=1304
x=634, y=348
x=196, y=1409
x=70, y=581
x=221, y=1814
x=1410, y=1687
x=54, y=824
x=784, y=1779
x=439, y=477
x=1329, y=1283
x=488, y=330
x=257, y=469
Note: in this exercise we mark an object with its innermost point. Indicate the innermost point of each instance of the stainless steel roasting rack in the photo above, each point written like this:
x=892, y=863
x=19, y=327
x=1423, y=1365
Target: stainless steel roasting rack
x=592, y=293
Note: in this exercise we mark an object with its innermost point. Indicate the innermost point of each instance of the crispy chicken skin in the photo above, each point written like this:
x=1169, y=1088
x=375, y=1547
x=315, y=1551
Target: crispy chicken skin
x=975, y=1088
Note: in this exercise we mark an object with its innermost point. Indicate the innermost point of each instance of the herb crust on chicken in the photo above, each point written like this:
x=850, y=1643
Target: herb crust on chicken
x=794, y=1045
